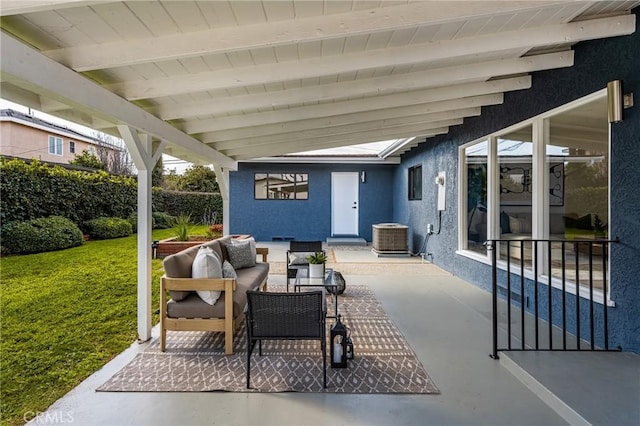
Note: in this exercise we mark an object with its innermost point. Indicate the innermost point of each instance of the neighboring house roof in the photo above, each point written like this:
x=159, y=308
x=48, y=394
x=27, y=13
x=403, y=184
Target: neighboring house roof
x=36, y=122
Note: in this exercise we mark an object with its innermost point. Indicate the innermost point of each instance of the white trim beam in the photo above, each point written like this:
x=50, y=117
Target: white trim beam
x=19, y=7
x=279, y=33
x=360, y=105
x=377, y=58
x=342, y=119
x=361, y=87
x=356, y=139
x=28, y=69
x=378, y=133
x=331, y=131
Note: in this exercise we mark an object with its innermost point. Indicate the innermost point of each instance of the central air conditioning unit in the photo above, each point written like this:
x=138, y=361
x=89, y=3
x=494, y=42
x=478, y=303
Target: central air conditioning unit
x=390, y=239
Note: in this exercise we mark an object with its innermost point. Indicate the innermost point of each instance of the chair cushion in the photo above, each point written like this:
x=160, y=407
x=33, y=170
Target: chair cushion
x=207, y=265
x=300, y=257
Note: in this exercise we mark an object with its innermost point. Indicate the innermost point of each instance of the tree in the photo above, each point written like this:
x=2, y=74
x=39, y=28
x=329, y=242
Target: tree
x=113, y=153
x=194, y=179
x=86, y=159
x=157, y=175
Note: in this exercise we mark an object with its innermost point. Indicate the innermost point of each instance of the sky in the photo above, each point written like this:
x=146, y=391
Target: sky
x=180, y=166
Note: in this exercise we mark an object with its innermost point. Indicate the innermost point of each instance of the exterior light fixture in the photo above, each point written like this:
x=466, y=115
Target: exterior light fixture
x=614, y=101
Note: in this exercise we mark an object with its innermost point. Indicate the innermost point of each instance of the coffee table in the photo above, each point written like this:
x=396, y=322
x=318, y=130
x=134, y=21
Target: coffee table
x=326, y=282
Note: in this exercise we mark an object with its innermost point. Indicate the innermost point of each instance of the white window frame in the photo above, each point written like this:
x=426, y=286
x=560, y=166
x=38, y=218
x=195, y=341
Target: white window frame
x=72, y=144
x=55, y=145
x=540, y=130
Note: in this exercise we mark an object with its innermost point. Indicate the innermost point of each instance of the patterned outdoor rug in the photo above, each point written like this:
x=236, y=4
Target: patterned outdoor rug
x=195, y=361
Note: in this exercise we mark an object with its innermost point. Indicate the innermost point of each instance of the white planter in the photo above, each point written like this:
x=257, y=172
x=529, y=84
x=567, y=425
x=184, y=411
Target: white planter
x=316, y=270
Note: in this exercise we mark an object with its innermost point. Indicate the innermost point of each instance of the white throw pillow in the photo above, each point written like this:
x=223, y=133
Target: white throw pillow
x=299, y=257
x=516, y=225
x=207, y=265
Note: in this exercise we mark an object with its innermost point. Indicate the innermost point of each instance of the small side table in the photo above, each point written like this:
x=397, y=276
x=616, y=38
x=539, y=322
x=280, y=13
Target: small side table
x=326, y=282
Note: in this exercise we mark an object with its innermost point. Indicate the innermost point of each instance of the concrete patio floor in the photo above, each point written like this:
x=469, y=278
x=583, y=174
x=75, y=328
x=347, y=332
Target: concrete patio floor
x=446, y=320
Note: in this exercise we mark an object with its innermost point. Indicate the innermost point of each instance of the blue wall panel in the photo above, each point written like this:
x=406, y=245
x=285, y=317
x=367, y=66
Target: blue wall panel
x=596, y=63
x=306, y=219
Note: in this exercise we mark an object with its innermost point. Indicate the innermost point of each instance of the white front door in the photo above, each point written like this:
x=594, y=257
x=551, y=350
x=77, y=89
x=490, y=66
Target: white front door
x=344, y=203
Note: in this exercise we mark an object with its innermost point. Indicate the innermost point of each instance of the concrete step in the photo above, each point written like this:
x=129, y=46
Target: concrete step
x=346, y=241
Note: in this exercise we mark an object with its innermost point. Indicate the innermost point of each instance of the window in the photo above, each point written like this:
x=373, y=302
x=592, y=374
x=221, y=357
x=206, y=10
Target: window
x=476, y=169
x=72, y=147
x=578, y=204
x=415, y=183
x=281, y=186
x=55, y=145
x=546, y=178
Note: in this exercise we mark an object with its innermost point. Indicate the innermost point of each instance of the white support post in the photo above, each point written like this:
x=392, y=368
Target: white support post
x=493, y=192
x=144, y=157
x=540, y=191
x=222, y=175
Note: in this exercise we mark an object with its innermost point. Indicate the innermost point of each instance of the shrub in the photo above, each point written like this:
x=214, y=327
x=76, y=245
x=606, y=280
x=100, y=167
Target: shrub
x=163, y=220
x=40, y=235
x=159, y=220
x=105, y=228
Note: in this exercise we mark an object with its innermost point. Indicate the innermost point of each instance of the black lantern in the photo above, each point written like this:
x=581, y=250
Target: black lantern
x=338, y=348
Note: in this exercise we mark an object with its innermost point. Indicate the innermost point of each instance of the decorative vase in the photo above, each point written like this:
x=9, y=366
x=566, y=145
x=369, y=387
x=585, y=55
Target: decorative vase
x=316, y=270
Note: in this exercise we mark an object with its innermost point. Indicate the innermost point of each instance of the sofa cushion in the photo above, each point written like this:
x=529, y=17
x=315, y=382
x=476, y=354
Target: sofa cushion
x=193, y=307
x=241, y=255
x=178, y=265
x=216, y=247
x=207, y=265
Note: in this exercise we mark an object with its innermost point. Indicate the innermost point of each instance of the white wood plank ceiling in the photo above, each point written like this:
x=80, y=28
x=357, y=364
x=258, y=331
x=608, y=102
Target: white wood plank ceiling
x=263, y=78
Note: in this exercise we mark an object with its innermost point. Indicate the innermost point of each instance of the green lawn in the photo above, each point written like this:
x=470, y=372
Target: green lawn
x=64, y=314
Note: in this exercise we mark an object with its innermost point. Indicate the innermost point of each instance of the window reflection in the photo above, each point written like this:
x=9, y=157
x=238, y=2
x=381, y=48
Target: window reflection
x=281, y=186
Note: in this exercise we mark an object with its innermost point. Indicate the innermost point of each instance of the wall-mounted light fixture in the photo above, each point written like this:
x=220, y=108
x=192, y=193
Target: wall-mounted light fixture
x=614, y=101
x=363, y=176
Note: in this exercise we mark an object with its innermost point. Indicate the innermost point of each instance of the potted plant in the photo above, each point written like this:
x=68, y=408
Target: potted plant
x=316, y=264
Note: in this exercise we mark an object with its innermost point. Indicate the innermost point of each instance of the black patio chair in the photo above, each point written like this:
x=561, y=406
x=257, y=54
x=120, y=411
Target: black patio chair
x=285, y=316
x=301, y=249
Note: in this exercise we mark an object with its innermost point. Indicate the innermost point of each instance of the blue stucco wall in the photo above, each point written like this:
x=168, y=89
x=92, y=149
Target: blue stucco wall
x=306, y=219
x=596, y=63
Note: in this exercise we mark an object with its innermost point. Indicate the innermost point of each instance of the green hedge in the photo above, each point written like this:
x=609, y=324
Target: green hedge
x=40, y=235
x=198, y=205
x=35, y=189
x=106, y=228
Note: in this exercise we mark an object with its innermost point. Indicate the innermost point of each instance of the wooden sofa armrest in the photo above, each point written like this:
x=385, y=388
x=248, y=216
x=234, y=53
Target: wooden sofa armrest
x=263, y=251
x=197, y=284
x=226, y=324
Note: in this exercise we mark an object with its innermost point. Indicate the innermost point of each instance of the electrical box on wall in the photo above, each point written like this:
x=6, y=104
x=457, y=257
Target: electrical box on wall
x=441, y=182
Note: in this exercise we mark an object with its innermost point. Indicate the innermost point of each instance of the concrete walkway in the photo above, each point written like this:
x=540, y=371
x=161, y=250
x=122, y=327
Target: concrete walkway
x=444, y=319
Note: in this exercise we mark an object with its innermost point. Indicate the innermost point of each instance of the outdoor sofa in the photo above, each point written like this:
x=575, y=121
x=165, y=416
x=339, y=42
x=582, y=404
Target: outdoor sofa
x=187, y=311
